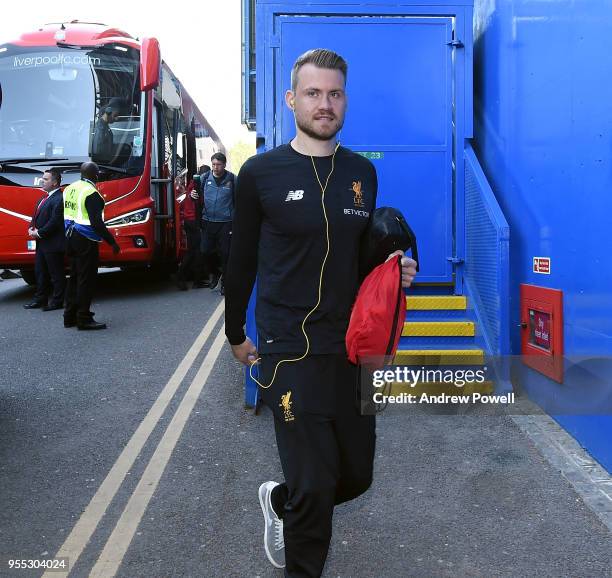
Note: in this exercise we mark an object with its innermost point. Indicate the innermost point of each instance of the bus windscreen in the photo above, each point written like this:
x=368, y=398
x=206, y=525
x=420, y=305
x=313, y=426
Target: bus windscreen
x=72, y=105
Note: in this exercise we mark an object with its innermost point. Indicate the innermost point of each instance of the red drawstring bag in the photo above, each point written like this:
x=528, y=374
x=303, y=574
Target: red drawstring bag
x=378, y=316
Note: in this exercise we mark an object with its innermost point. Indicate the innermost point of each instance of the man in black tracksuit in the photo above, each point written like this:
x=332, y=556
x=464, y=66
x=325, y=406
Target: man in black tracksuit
x=288, y=201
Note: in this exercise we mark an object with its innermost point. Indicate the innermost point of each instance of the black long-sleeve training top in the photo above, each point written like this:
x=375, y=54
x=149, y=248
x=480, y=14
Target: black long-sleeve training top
x=278, y=235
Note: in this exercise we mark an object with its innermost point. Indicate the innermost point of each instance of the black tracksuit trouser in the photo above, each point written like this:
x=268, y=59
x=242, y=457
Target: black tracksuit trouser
x=50, y=277
x=190, y=264
x=326, y=449
x=216, y=240
x=84, y=258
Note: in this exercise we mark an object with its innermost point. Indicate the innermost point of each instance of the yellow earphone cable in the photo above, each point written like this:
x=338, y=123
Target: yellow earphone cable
x=323, y=189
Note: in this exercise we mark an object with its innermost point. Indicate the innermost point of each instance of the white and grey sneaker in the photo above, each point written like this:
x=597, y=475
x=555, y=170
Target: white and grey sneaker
x=215, y=282
x=274, y=542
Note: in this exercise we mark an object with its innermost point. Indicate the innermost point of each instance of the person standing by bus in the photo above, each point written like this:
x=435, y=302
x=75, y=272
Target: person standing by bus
x=47, y=228
x=191, y=209
x=85, y=230
x=301, y=210
x=217, y=216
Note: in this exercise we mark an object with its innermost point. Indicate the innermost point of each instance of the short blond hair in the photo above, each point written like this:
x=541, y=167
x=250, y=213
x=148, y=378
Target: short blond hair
x=321, y=58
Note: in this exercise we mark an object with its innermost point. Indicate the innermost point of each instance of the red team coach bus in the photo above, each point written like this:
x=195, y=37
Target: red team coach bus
x=78, y=91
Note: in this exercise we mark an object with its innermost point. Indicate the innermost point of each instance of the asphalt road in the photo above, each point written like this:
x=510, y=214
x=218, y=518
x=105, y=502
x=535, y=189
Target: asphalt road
x=81, y=447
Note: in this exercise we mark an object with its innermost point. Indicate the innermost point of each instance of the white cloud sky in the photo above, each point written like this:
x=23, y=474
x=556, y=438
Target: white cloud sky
x=200, y=41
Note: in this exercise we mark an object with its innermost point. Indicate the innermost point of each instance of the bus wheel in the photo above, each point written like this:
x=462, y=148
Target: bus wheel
x=28, y=276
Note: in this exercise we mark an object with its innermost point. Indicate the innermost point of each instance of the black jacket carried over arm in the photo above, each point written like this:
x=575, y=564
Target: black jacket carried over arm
x=279, y=235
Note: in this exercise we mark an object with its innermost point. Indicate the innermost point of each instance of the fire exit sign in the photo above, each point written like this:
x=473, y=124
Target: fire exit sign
x=541, y=265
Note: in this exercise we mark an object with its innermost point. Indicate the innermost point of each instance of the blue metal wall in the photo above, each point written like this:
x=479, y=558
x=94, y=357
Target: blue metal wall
x=543, y=133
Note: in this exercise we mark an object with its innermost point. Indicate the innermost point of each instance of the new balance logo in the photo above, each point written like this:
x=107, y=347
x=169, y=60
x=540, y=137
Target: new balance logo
x=294, y=196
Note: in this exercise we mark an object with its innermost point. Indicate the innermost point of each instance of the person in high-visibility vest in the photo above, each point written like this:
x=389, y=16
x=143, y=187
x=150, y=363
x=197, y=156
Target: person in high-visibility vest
x=85, y=230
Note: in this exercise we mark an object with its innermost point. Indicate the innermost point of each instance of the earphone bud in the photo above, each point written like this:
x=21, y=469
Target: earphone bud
x=292, y=104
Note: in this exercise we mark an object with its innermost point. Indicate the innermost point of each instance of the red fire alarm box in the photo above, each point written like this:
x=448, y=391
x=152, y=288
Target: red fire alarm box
x=542, y=330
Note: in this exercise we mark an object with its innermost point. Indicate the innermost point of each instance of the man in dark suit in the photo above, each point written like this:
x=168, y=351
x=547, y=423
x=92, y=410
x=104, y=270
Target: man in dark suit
x=47, y=228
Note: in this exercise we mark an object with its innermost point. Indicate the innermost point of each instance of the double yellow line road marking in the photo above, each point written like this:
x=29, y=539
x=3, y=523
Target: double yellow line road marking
x=116, y=546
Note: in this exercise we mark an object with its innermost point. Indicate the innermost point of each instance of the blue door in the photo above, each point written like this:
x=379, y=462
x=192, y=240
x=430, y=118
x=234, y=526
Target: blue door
x=399, y=113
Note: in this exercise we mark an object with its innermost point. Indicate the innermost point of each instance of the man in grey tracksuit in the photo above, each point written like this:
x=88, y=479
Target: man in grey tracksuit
x=217, y=215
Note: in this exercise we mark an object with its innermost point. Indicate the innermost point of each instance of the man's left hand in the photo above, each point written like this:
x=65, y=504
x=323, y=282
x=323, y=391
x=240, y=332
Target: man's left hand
x=408, y=268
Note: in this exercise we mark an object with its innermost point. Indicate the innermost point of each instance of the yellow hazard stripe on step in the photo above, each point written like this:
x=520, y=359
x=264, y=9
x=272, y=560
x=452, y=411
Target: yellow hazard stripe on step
x=438, y=329
x=439, y=357
x=428, y=302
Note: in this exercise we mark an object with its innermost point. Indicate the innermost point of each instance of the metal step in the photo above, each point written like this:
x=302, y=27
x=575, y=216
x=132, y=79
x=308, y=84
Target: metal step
x=438, y=329
x=435, y=302
x=439, y=357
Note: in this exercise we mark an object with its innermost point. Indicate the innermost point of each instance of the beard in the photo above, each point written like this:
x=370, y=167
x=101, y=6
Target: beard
x=323, y=134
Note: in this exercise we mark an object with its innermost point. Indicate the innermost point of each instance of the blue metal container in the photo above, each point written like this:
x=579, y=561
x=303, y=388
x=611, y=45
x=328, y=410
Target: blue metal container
x=543, y=88
x=543, y=133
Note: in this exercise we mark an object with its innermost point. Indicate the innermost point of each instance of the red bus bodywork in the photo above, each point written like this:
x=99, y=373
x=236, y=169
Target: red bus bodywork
x=161, y=234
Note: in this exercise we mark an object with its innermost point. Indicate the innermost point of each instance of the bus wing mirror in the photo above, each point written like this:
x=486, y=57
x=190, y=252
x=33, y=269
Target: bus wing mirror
x=149, y=64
